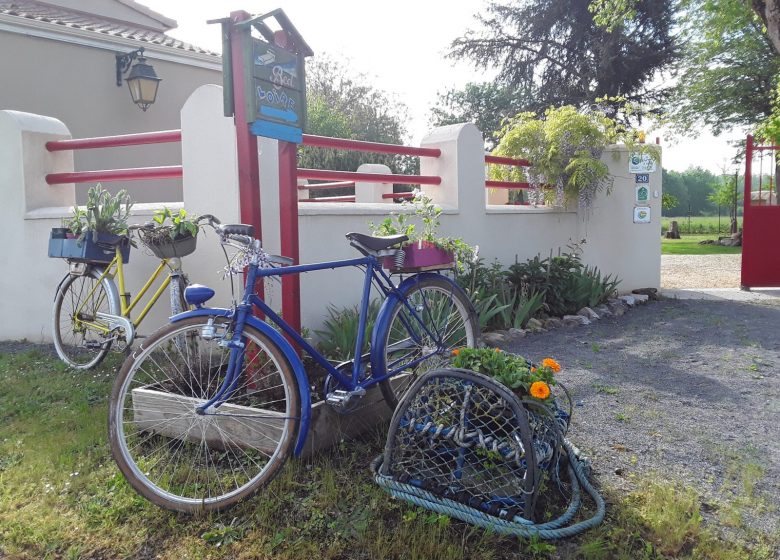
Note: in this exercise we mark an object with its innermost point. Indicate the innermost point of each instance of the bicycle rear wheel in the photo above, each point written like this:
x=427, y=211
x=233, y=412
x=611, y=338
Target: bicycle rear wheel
x=185, y=461
x=412, y=344
x=81, y=338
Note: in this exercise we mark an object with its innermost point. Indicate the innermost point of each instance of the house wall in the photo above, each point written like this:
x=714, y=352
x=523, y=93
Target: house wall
x=613, y=242
x=73, y=78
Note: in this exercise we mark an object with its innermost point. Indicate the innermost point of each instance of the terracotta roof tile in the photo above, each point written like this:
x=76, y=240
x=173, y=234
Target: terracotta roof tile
x=57, y=15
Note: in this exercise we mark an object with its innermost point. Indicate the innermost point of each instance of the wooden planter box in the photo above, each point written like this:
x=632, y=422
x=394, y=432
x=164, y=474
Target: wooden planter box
x=158, y=411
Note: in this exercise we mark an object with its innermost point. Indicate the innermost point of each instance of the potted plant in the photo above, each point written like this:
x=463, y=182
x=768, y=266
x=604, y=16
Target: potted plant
x=424, y=249
x=93, y=231
x=172, y=234
x=530, y=382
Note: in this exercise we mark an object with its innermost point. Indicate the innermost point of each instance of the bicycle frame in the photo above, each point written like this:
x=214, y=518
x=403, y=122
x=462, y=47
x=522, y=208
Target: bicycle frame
x=127, y=306
x=242, y=315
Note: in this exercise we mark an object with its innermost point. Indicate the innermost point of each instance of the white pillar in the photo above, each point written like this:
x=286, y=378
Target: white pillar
x=208, y=154
x=369, y=191
x=461, y=166
x=29, y=209
x=614, y=242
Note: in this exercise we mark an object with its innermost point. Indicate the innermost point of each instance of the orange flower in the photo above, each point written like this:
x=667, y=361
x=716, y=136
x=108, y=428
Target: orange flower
x=533, y=369
x=456, y=351
x=497, y=350
x=552, y=364
x=540, y=390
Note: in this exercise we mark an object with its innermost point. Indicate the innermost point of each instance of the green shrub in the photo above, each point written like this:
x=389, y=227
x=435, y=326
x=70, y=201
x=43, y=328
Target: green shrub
x=339, y=333
x=554, y=286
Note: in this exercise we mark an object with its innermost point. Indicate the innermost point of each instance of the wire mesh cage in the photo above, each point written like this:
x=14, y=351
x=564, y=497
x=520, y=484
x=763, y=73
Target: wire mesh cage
x=461, y=439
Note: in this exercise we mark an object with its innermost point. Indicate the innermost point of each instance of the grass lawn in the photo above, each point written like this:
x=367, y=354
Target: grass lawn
x=62, y=497
x=689, y=245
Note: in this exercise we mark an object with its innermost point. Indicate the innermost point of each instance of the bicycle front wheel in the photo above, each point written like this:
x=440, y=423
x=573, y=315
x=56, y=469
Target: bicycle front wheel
x=413, y=343
x=190, y=461
x=82, y=338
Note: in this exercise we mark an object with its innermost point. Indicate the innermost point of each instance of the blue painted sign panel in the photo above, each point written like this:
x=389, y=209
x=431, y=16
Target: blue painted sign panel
x=278, y=102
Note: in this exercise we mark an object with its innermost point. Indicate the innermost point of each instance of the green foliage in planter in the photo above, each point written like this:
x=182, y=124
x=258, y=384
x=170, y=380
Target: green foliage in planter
x=426, y=214
x=103, y=213
x=564, y=147
x=175, y=225
x=511, y=370
x=339, y=331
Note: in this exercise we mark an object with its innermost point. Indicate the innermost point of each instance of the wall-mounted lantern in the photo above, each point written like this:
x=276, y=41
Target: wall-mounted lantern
x=142, y=79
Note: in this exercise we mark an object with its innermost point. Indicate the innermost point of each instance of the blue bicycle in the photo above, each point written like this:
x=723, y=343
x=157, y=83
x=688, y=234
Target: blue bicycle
x=206, y=411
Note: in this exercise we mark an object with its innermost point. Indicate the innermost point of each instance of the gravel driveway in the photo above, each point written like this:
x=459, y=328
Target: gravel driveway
x=682, y=390
x=700, y=271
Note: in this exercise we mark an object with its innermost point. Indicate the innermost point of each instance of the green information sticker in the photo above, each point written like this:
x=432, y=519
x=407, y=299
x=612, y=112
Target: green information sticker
x=642, y=194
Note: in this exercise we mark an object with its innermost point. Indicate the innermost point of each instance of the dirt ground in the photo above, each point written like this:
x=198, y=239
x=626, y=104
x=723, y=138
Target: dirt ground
x=683, y=390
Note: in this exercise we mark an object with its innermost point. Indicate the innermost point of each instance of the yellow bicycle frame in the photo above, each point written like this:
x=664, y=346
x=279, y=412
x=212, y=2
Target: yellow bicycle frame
x=126, y=306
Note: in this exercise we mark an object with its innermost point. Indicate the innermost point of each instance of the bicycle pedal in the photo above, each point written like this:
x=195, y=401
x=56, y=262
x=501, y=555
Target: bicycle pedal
x=342, y=399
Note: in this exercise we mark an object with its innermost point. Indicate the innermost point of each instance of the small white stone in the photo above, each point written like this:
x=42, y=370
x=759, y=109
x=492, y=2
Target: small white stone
x=629, y=300
x=641, y=298
x=588, y=313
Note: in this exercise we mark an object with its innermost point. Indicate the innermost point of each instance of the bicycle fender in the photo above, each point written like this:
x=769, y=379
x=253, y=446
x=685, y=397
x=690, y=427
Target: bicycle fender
x=292, y=358
x=383, y=317
x=95, y=272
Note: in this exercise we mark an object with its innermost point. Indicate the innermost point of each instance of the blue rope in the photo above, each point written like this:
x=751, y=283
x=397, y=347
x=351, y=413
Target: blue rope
x=518, y=526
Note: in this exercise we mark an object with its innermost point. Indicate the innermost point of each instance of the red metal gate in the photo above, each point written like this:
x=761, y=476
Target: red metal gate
x=761, y=220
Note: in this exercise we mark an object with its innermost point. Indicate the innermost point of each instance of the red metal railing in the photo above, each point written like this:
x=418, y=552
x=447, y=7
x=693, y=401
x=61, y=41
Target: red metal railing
x=362, y=146
x=501, y=160
x=159, y=137
x=131, y=174
x=341, y=179
x=326, y=175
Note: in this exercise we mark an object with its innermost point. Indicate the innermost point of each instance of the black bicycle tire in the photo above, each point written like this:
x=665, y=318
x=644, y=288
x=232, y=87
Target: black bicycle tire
x=466, y=311
x=142, y=484
x=64, y=288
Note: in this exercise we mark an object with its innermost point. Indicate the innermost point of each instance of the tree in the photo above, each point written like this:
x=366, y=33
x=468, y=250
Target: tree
x=344, y=105
x=692, y=188
x=485, y=104
x=556, y=52
x=729, y=68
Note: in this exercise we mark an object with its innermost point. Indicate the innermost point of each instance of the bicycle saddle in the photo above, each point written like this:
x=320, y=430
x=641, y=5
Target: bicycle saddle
x=376, y=243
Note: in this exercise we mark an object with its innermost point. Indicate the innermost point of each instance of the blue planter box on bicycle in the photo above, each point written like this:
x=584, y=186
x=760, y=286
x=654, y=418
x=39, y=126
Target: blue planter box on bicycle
x=87, y=248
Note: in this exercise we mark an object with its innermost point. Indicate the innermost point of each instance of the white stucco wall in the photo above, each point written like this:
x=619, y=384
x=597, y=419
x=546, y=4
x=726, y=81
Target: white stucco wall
x=613, y=242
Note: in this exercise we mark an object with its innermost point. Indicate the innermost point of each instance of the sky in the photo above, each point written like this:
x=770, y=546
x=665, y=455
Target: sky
x=401, y=46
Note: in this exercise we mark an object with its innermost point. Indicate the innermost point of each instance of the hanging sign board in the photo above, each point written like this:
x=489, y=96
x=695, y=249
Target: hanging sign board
x=277, y=101
x=640, y=163
x=642, y=215
x=642, y=194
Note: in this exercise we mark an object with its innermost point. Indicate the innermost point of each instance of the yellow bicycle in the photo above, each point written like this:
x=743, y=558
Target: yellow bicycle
x=90, y=313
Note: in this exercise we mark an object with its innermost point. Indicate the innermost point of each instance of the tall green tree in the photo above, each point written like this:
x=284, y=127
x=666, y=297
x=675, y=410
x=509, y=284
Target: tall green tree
x=557, y=52
x=485, y=104
x=729, y=68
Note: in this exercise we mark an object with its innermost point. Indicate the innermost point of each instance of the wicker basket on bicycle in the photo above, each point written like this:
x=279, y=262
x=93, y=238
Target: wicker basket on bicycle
x=159, y=242
x=463, y=444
